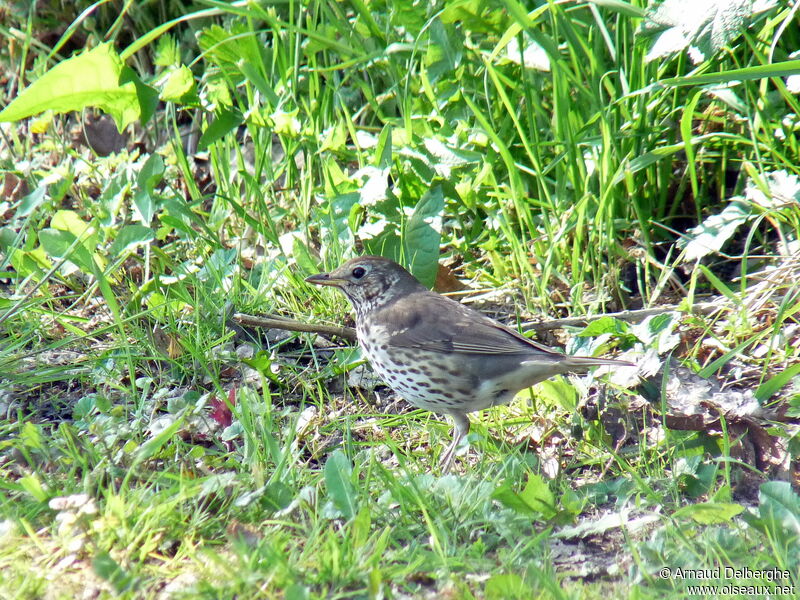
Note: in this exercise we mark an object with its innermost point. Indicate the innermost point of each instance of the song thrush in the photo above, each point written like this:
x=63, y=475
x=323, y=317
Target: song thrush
x=437, y=353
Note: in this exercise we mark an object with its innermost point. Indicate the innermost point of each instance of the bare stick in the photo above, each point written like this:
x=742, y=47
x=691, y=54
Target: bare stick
x=630, y=316
x=348, y=333
x=276, y=322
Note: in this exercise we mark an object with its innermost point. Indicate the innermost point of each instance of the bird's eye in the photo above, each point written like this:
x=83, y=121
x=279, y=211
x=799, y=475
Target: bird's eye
x=359, y=272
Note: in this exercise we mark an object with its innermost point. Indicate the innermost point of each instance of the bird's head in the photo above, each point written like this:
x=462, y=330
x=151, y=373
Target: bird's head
x=369, y=281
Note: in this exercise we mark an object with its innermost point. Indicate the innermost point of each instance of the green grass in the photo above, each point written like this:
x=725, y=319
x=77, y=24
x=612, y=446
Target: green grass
x=331, y=129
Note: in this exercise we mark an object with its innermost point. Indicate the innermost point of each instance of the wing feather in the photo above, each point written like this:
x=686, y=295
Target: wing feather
x=438, y=324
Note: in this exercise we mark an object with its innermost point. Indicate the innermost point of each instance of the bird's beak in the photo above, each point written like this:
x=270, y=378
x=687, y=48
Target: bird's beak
x=325, y=279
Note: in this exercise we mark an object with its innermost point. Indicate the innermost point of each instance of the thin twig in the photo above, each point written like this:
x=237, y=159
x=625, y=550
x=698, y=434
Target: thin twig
x=348, y=333
x=630, y=316
x=276, y=322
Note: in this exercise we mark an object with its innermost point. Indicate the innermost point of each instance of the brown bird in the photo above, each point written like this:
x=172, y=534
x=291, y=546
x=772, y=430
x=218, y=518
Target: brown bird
x=437, y=353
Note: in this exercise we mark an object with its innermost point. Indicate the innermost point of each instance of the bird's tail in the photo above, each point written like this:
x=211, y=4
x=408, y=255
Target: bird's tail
x=587, y=362
x=581, y=364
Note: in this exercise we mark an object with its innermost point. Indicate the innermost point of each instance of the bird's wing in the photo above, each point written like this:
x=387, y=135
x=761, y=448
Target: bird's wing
x=438, y=324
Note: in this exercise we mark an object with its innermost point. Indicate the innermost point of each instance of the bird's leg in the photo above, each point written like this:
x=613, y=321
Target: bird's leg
x=460, y=430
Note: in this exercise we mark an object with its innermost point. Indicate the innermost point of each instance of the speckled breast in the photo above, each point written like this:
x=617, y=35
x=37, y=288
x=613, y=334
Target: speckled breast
x=425, y=379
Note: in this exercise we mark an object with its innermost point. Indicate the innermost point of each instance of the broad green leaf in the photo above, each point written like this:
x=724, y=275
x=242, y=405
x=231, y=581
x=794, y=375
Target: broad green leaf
x=178, y=208
x=110, y=570
x=711, y=234
x=605, y=325
x=354, y=212
x=447, y=156
x=32, y=201
x=702, y=27
x=112, y=197
x=263, y=363
x=145, y=197
x=29, y=263
x=538, y=496
x=536, y=499
x=32, y=485
x=277, y=495
x=476, y=15
x=778, y=514
x=709, y=513
x=360, y=527
x=89, y=79
x=146, y=96
x=84, y=407
x=179, y=85
x=558, y=392
x=781, y=504
x=420, y=165
x=129, y=237
x=286, y=123
x=296, y=591
x=303, y=257
x=338, y=472
x=422, y=236
x=173, y=223
x=8, y=238
x=657, y=332
x=63, y=244
x=219, y=266
x=224, y=122
x=333, y=138
x=152, y=172
x=444, y=53
x=383, y=151
x=694, y=477
x=572, y=502
x=69, y=220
